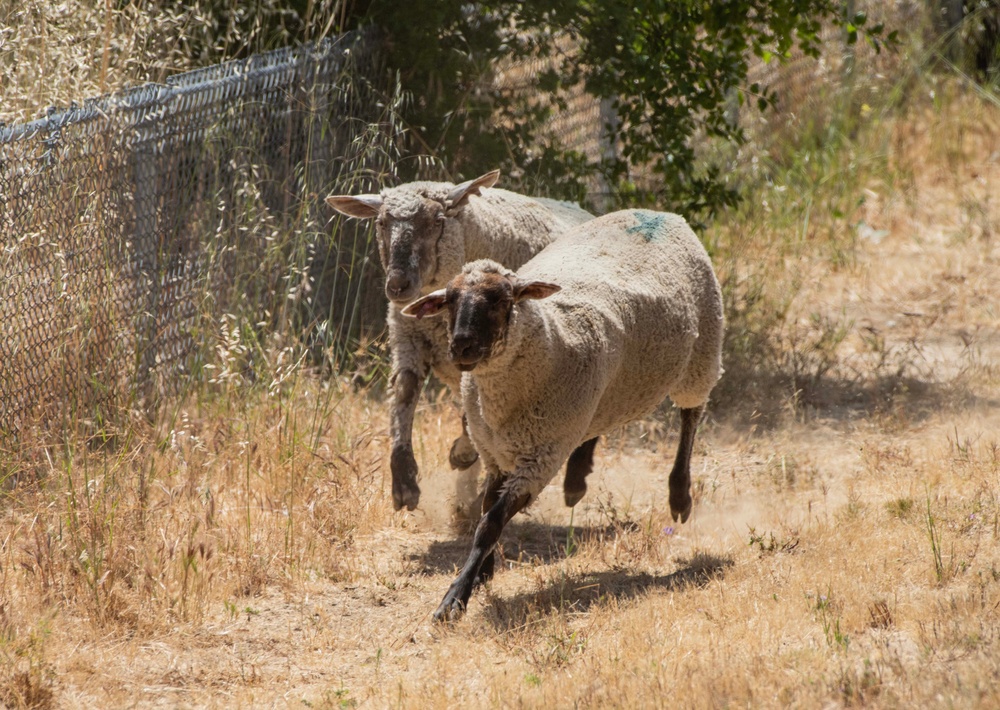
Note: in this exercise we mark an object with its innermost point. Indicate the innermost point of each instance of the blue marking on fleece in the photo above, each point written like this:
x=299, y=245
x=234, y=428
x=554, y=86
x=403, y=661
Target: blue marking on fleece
x=648, y=225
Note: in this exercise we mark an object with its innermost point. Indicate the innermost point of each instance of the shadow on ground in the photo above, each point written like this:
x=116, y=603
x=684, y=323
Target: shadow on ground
x=767, y=399
x=581, y=592
x=524, y=542
x=533, y=543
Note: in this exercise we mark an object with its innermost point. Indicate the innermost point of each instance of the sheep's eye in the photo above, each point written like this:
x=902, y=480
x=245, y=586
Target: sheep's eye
x=441, y=218
x=380, y=221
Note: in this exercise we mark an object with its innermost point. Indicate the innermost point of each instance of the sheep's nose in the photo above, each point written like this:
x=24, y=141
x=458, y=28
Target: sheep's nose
x=463, y=348
x=397, y=284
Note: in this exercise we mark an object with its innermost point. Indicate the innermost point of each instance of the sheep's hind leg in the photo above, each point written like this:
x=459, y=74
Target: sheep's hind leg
x=579, y=465
x=487, y=535
x=463, y=453
x=680, y=476
x=406, y=390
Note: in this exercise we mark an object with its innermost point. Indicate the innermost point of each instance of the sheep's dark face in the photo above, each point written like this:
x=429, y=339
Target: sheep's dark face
x=408, y=243
x=479, y=307
x=479, y=304
x=416, y=231
x=409, y=228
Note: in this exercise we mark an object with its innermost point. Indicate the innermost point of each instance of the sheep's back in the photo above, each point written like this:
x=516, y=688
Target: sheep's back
x=511, y=228
x=567, y=214
x=645, y=281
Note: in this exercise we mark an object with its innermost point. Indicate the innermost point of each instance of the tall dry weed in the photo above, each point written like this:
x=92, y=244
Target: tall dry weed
x=59, y=53
x=240, y=544
x=224, y=496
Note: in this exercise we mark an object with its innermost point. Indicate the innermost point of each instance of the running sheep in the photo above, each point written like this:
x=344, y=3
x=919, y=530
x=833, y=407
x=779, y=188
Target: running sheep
x=593, y=332
x=425, y=232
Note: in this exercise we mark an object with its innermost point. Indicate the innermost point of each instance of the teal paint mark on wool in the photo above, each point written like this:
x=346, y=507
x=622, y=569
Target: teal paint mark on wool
x=649, y=225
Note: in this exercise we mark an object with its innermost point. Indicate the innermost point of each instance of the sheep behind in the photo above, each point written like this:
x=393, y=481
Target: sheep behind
x=425, y=232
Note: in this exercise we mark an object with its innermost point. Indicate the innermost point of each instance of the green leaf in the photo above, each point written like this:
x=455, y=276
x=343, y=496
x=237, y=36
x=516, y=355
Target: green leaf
x=548, y=81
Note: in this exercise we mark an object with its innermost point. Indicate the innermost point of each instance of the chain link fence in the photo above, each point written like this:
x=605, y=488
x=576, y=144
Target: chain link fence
x=130, y=224
x=134, y=225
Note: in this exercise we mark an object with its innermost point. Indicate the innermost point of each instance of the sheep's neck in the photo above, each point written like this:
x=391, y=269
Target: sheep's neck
x=512, y=378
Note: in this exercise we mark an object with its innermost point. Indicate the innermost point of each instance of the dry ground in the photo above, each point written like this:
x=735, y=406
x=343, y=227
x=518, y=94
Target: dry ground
x=846, y=552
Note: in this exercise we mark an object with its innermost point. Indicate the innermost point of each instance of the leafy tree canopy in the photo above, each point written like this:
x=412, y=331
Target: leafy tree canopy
x=670, y=69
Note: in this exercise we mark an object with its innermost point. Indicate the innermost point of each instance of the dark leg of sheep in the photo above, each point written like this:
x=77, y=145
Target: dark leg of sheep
x=463, y=454
x=405, y=391
x=494, y=483
x=487, y=534
x=680, y=476
x=581, y=463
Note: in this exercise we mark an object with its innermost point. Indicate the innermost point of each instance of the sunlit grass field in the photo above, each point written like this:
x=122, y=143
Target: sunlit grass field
x=240, y=547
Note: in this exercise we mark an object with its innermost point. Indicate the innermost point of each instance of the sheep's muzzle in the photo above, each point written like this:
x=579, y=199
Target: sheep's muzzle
x=401, y=287
x=465, y=352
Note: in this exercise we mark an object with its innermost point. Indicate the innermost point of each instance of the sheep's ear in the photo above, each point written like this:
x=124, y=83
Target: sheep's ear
x=430, y=305
x=523, y=290
x=461, y=194
x=360, y=206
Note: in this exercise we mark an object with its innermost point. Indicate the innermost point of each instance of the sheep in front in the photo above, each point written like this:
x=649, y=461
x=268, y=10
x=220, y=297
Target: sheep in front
x=425, y=232
x=593, y=332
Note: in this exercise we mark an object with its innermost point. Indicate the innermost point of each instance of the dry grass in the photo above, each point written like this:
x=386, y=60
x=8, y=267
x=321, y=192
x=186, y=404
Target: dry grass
x=54, y=53
x=844, y=549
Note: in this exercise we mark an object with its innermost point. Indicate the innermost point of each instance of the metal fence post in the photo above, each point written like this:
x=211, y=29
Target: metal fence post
x=146, y=248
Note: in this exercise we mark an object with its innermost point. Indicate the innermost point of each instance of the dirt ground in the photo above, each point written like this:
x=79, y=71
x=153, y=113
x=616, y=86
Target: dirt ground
x=808, y=575
x=843, y=552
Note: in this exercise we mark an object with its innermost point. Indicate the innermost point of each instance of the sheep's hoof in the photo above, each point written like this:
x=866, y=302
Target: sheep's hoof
x=451, y=609
x=408, y=496
x=463, y=454
x=572, y=496
x=405, y=491
x=680, y=509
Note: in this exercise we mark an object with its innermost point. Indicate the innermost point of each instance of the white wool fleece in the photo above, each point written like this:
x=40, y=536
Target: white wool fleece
x=639, y=318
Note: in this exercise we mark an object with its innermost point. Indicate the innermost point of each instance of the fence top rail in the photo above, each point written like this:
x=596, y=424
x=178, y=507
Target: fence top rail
x=140, y=98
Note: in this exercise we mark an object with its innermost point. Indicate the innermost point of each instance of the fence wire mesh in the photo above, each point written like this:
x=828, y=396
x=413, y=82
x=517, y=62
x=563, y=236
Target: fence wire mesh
x=131, y=223
x=138, y=229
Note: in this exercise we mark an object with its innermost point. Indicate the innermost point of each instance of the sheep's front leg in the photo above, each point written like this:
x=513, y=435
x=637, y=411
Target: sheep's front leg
x=487, y=535
x=405, y=391
x=463, y=453
x=680, y=476
x=494, y=483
